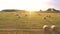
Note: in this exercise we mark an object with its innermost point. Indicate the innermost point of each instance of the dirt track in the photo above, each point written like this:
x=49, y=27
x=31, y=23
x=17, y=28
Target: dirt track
x=18, y=30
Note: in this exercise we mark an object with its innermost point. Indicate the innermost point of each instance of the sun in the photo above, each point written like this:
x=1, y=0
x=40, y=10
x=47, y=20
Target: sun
x=29, y=5
x=36, y=5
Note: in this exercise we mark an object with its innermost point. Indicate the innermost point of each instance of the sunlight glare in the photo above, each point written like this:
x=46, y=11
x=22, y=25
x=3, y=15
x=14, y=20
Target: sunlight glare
x=36, y=5
x=29, y=5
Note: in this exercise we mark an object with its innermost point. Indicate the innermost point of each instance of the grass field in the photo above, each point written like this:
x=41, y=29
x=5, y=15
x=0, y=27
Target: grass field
x=27, y=20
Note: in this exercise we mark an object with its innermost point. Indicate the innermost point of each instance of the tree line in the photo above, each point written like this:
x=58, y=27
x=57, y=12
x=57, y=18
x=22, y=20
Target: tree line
x=51, y=10
x=48, y=10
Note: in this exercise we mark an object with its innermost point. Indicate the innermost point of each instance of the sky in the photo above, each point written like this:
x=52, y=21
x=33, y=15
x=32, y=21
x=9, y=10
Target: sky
x=29, y=4
x=55, y=3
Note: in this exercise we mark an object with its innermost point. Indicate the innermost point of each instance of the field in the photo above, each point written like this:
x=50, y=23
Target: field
x=28, y=20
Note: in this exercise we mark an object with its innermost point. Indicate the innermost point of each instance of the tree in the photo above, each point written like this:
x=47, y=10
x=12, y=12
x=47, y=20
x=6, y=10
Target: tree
x=10, y=10
x=40, y=10
x=49, y=9
x=54, y=9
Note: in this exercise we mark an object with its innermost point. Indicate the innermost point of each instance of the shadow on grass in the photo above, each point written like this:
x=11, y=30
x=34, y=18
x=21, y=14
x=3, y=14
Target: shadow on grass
x=55, y=31
x=47, y=32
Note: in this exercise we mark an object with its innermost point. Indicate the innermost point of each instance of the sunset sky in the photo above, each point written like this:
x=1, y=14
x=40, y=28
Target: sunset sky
x=29, y=4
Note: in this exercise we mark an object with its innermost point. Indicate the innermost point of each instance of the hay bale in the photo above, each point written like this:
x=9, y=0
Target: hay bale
x=39, y=14
x=45, y=27
x=48, y=16
x=53, y=27
x=17, y=15
x=44, y=17
x=26, y=15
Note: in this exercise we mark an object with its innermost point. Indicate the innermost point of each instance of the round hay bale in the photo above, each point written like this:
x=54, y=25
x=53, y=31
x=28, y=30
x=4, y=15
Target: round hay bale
x=39, y=14
x=49, y=16
x=53, y=27
x=45, y=27
x=19, y=16
x=26, y=15
x=44, y=17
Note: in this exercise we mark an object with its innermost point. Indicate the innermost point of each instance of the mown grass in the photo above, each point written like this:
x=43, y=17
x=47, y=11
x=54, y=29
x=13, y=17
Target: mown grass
x=21, y=20
x=9, y=20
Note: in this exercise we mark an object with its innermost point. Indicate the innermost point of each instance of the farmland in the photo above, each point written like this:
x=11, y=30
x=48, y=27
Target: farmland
x=18, y=20
x=28, y=20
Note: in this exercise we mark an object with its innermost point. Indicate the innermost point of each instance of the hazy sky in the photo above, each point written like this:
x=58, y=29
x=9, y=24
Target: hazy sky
x=55, y=3
x=29, y=4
